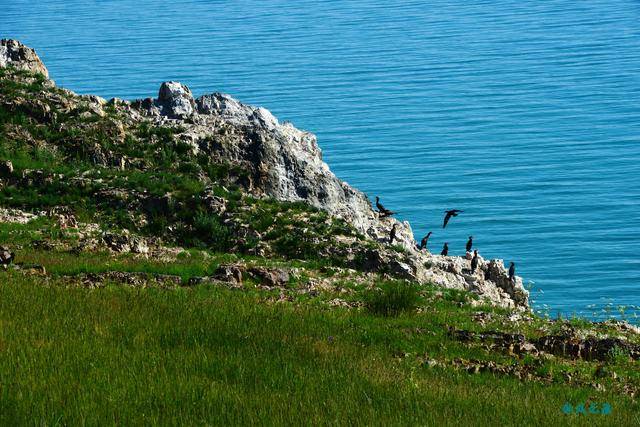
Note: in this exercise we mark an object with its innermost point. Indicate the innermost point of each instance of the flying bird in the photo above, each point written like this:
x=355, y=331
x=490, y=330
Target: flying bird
x=384, y=211
x=392, y=234
x=469, y=243
x=449, y=214
x=424, y=241
x=445, y=249
x=474, y=261
x=512, y=272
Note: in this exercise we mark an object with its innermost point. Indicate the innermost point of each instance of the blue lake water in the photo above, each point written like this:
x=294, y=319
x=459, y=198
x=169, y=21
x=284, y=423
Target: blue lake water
x=526, y=115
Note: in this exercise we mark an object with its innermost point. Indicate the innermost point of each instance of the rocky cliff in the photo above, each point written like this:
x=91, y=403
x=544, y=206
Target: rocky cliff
x=15, y=54
x=221, y=143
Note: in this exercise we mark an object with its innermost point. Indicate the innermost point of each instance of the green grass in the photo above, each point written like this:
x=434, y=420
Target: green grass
x=213, y=356
x=393, y=298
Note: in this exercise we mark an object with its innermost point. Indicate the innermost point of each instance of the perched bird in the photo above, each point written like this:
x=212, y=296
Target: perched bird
x=424, y=241
x=474, y=261
x=392, y=234
x=445, y=249
x=512, y=272
x=384, y=211
x=449, y=214
x=469, y=243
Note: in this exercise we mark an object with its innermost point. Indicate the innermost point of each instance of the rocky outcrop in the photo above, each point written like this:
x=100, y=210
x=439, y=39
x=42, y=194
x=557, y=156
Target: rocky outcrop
x=125, y=243
x=567, y=344
x=283, y=162
x=490, y=280
x=16, y=216
x=138, y=280
x=276, y=160
x=270, y=276
x=15, y=54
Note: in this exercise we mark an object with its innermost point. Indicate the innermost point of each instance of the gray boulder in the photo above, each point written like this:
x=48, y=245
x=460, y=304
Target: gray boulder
x=125, y=243
x=175, y=100
x=6, y=256
x=229, y=273
x=270, y=276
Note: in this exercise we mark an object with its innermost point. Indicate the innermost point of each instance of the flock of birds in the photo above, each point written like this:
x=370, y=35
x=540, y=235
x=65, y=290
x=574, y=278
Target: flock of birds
x=384, y=212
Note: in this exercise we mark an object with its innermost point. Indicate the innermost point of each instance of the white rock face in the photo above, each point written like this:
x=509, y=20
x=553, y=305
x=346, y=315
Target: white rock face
x=490, y=280
x=15, y=54
x=286, y=162
x=235, y=112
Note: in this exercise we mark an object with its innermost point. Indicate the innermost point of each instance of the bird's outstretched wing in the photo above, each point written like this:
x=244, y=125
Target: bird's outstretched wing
x=447, y=218
x=452, y=212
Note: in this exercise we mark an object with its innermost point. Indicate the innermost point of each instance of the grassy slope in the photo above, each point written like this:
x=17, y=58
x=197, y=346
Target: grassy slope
x=209, y=355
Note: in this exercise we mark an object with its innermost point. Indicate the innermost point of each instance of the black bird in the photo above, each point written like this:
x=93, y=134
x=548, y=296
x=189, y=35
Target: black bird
x=445, y=249
x=512, y=272
x=384, y=211
x=469, y=243
x=474, y=261
x=424, y=241
x=449, y=214
x=392, y=234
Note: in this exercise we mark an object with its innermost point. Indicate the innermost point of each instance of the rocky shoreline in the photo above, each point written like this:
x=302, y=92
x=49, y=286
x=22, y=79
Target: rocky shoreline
x=269, y=160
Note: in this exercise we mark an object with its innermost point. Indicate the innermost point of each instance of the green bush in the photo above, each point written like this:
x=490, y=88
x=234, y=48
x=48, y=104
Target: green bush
x=210, y=230
x=618, y=355
x=393, y=298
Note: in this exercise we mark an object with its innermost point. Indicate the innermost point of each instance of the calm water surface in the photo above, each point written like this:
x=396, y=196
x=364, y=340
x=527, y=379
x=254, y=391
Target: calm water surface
x=524, y=114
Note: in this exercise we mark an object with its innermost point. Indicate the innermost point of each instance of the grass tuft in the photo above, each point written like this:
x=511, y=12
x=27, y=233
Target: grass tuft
x=393, y=298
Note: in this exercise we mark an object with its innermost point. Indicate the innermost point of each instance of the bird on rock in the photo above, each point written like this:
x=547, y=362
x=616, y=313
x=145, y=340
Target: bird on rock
x=512, y=272
x=384, y=211
x=469, y=243
x=424, y=241
x=445, y=249
x=474, y=261
x=449, y=214
x=392, y=234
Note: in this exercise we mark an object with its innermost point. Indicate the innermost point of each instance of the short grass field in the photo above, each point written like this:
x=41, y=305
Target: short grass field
x=214, y=356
